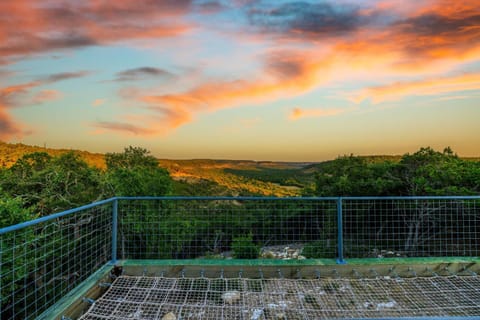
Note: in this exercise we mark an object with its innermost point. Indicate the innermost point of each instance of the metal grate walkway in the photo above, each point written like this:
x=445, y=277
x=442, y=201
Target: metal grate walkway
x=140, y=297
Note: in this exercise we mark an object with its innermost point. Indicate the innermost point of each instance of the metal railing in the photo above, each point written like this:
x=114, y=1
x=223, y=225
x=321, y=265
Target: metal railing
x=43, y=259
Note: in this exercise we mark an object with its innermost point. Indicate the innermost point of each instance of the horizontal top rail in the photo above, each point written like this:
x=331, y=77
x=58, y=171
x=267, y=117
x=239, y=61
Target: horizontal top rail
x=53, y=216
x=412, y=197
x=301, y=198
x=228, y=198
x=223, y=198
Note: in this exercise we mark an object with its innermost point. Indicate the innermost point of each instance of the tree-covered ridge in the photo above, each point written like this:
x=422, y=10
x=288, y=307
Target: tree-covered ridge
x=230, y=177
x=425, y=172
x=352, y=175
x=11, y=152
x=39, y=183
x=46, y=184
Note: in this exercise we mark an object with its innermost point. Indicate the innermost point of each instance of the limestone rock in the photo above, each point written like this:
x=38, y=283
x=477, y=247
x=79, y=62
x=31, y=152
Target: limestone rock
x=230, y=297
x=169, y=316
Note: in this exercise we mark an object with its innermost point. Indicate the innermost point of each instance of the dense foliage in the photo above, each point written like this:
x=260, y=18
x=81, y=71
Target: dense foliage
x=40, y=183
x=48, y=184
x=425, y=172
x=136, y=173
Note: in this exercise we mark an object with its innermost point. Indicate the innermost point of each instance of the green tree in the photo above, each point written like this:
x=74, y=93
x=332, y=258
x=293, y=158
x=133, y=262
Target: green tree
x=354, y=176
x=17, y=256
x=136, y=173
x=51, y=184
x=131, y=157
x=430, y=172
x=425, y=172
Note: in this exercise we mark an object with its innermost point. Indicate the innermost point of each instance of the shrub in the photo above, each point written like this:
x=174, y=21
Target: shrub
x=244, y=248
x=318, y=249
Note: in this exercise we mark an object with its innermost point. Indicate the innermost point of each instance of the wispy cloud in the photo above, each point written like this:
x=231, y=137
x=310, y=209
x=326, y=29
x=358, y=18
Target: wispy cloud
x=9, y=96
x=298, y=113
x=45, y=96
x=434, y=86
x=39, y=28
x=285, y=75
x=304, y=19
x=121, y=127
x=141, y=73
x=407, y=46
x=98, y=102
x=20, y=95
x=8, y=126
x=64, y=76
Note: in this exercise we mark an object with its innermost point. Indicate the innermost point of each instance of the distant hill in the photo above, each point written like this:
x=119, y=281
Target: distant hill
x=11, y=152
x=200, y=176
x=241, y=177
x=208, y=177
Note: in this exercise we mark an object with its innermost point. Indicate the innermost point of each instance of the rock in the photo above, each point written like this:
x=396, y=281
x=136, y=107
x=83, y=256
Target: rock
x=385, y=305
x=230, y=297
x=257, y=314
x=169, y=316
x=280, y=316
x=268, y=254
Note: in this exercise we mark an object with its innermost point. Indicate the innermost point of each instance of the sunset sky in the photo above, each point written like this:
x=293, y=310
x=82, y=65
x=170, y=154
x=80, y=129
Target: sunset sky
x=242, y=79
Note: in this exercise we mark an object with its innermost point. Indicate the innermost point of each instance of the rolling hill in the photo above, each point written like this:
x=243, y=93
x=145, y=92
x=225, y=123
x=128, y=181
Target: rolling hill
x=208, y=177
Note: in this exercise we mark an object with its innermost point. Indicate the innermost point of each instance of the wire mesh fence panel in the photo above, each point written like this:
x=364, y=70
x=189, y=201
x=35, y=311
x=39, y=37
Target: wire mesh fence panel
x=279, y=298
x=43, y=261
x=411, y=227
x=219, y=228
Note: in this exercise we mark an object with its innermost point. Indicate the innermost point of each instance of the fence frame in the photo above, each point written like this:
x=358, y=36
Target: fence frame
x=339, y=202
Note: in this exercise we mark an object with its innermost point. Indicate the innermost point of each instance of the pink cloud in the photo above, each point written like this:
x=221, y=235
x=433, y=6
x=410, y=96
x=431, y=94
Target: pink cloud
x=298, y=113
x=30, y=26
x=45, y=96
x=307, y=48
x=122, y=127
x=433, y=86
x=8, y=127
x=98, y=102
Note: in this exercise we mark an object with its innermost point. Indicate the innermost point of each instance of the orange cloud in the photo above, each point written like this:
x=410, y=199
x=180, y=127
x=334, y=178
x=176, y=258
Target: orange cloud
x=29, y=27
x=298, y=113
x=45, y=96
x=19, y=95
x=8, y=127
x=286, y=74
x=122, y=127
x=98, y=102
x=435, y=86
x=393, y=39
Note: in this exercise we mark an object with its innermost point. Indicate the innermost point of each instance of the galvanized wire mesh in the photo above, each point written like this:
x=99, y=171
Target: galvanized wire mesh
x=315, y=298
x=178, y=229
x=406, y=227
x=42, y=262
x=371, y=227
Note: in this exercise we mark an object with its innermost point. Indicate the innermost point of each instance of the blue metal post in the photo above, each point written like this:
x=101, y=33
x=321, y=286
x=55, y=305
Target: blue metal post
x=114, y=230
x=340, y=259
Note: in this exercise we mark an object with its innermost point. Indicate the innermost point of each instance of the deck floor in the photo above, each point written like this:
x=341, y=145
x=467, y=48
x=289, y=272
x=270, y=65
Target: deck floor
x=141, y=297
